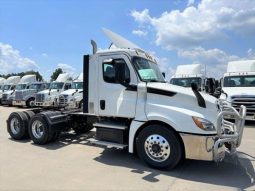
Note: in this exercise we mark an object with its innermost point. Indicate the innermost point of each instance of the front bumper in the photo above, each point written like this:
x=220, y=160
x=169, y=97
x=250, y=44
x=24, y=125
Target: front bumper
x=214, y=147
x=45, y=104
x=6, y=101
x=19, y=103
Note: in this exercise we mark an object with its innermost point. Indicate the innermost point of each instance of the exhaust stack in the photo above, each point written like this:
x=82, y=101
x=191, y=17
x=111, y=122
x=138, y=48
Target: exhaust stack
x=94, y=46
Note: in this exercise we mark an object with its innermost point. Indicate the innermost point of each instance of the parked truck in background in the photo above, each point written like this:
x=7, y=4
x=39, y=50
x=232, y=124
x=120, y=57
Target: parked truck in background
x=26, y=96
x=8, y=89
x=48, y=97
x=127, y=100
x=238, y=85
x=2, y=82
x=72, y=98
x=185, y=75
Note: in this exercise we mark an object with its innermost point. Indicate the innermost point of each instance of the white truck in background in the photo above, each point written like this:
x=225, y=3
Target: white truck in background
x=73, y=97
x=127, y=100
x=238, y=86
x=26, y=96
x=48, y=97
x=8, y=89
x=2, y=82
x=185, y=75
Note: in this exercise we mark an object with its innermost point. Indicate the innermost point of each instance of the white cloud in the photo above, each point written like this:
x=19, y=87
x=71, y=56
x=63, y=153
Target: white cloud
x=139, y=32
x=44, y=55
x=216, y=60
x=11, y=61
x=67, y=68
x=141, y=17
x=251, y=53
x=190, y=2
x=208, y=20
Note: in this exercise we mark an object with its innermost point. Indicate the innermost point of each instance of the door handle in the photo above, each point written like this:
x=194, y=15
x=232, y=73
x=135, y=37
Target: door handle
x=102, y=104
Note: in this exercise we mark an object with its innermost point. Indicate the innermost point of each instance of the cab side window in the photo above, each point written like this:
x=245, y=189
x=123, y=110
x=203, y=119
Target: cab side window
x=110, y=71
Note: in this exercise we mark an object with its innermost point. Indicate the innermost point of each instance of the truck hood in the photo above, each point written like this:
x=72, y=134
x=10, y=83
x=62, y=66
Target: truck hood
x=70, y=92
x=238, y=91
x=182, y=100
x=8, y=92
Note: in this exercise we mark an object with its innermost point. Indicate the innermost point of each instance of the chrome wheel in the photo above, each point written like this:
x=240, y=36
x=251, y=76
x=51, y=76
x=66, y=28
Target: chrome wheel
x=15, y=126
x=37, y=129
x=157, y=148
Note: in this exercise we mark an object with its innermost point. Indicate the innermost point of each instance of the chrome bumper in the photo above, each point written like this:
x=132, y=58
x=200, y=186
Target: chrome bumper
x=214, y=147
x=19, y=103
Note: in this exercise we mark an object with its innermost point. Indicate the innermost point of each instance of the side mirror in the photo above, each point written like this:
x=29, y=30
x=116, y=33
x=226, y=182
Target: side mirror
x=164, y=74
x=120, y=72
x=194, y=87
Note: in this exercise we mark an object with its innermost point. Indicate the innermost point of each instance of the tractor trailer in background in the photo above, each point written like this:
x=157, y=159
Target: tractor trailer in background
x=8, y=90
x=48, y=97
x=73, y=97
x=238, y=86
x=127, y=100
x=185, y=75
x=2, y=82
x=25, y=96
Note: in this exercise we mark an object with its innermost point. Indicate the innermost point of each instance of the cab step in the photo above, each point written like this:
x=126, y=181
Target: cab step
x=110, y=125
x=107, y=144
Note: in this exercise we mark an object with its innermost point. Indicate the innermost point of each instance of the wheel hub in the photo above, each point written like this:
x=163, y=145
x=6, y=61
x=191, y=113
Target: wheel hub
x=157, y=148
x=37, y=129
x=15, y=126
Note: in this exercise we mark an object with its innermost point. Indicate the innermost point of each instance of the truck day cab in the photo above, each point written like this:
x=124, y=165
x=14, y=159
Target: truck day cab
x=48, y=97
x=7, y=94
x=185, y=75
x=72, y=98
x=26, y=96
x=127, y=100
x=238, y=85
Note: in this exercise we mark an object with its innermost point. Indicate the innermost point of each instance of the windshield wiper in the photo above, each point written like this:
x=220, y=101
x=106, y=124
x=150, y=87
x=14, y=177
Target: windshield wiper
x=155, y=81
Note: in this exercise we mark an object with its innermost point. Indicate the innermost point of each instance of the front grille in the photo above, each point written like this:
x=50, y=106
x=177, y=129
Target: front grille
x=4, y=97
x=63, y=100
x=247, y=101
x=18, y=95
x=39, y=97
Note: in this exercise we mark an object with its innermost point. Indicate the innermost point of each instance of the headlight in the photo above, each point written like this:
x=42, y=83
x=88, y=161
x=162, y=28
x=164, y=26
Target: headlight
x=72, y=99
x=203, y=124
x=48, y=98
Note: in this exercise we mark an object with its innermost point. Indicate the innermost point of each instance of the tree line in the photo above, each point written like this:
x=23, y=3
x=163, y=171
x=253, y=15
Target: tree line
x=38, y=75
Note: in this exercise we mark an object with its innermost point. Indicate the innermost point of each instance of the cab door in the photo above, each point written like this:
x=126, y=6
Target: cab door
x=116, y=99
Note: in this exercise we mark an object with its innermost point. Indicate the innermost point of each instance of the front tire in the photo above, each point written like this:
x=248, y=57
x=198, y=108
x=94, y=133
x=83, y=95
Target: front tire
x=30, y=102
x=159, y=147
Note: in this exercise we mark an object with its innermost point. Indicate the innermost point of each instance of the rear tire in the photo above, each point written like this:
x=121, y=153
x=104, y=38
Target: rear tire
x=159, y=147
x=17, y=125
x=39, y=130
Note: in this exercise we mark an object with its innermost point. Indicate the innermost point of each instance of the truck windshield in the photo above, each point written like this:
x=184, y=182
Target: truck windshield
x=6, y=87
x=56, y=85
x=77, y=85
x=21, y=86
x=35, y=86
x=147, y=70
x=239, y=81
x=186, y=82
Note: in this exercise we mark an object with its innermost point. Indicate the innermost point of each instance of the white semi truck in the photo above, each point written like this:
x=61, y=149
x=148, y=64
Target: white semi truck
x=26, y=95
x=8, y=90
x=238, y=85
x=185, y=75
x=127, y=100
x=48, y=97
x=72, y=98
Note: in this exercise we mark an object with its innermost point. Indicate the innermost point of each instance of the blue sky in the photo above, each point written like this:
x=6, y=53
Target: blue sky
x=44, y=35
